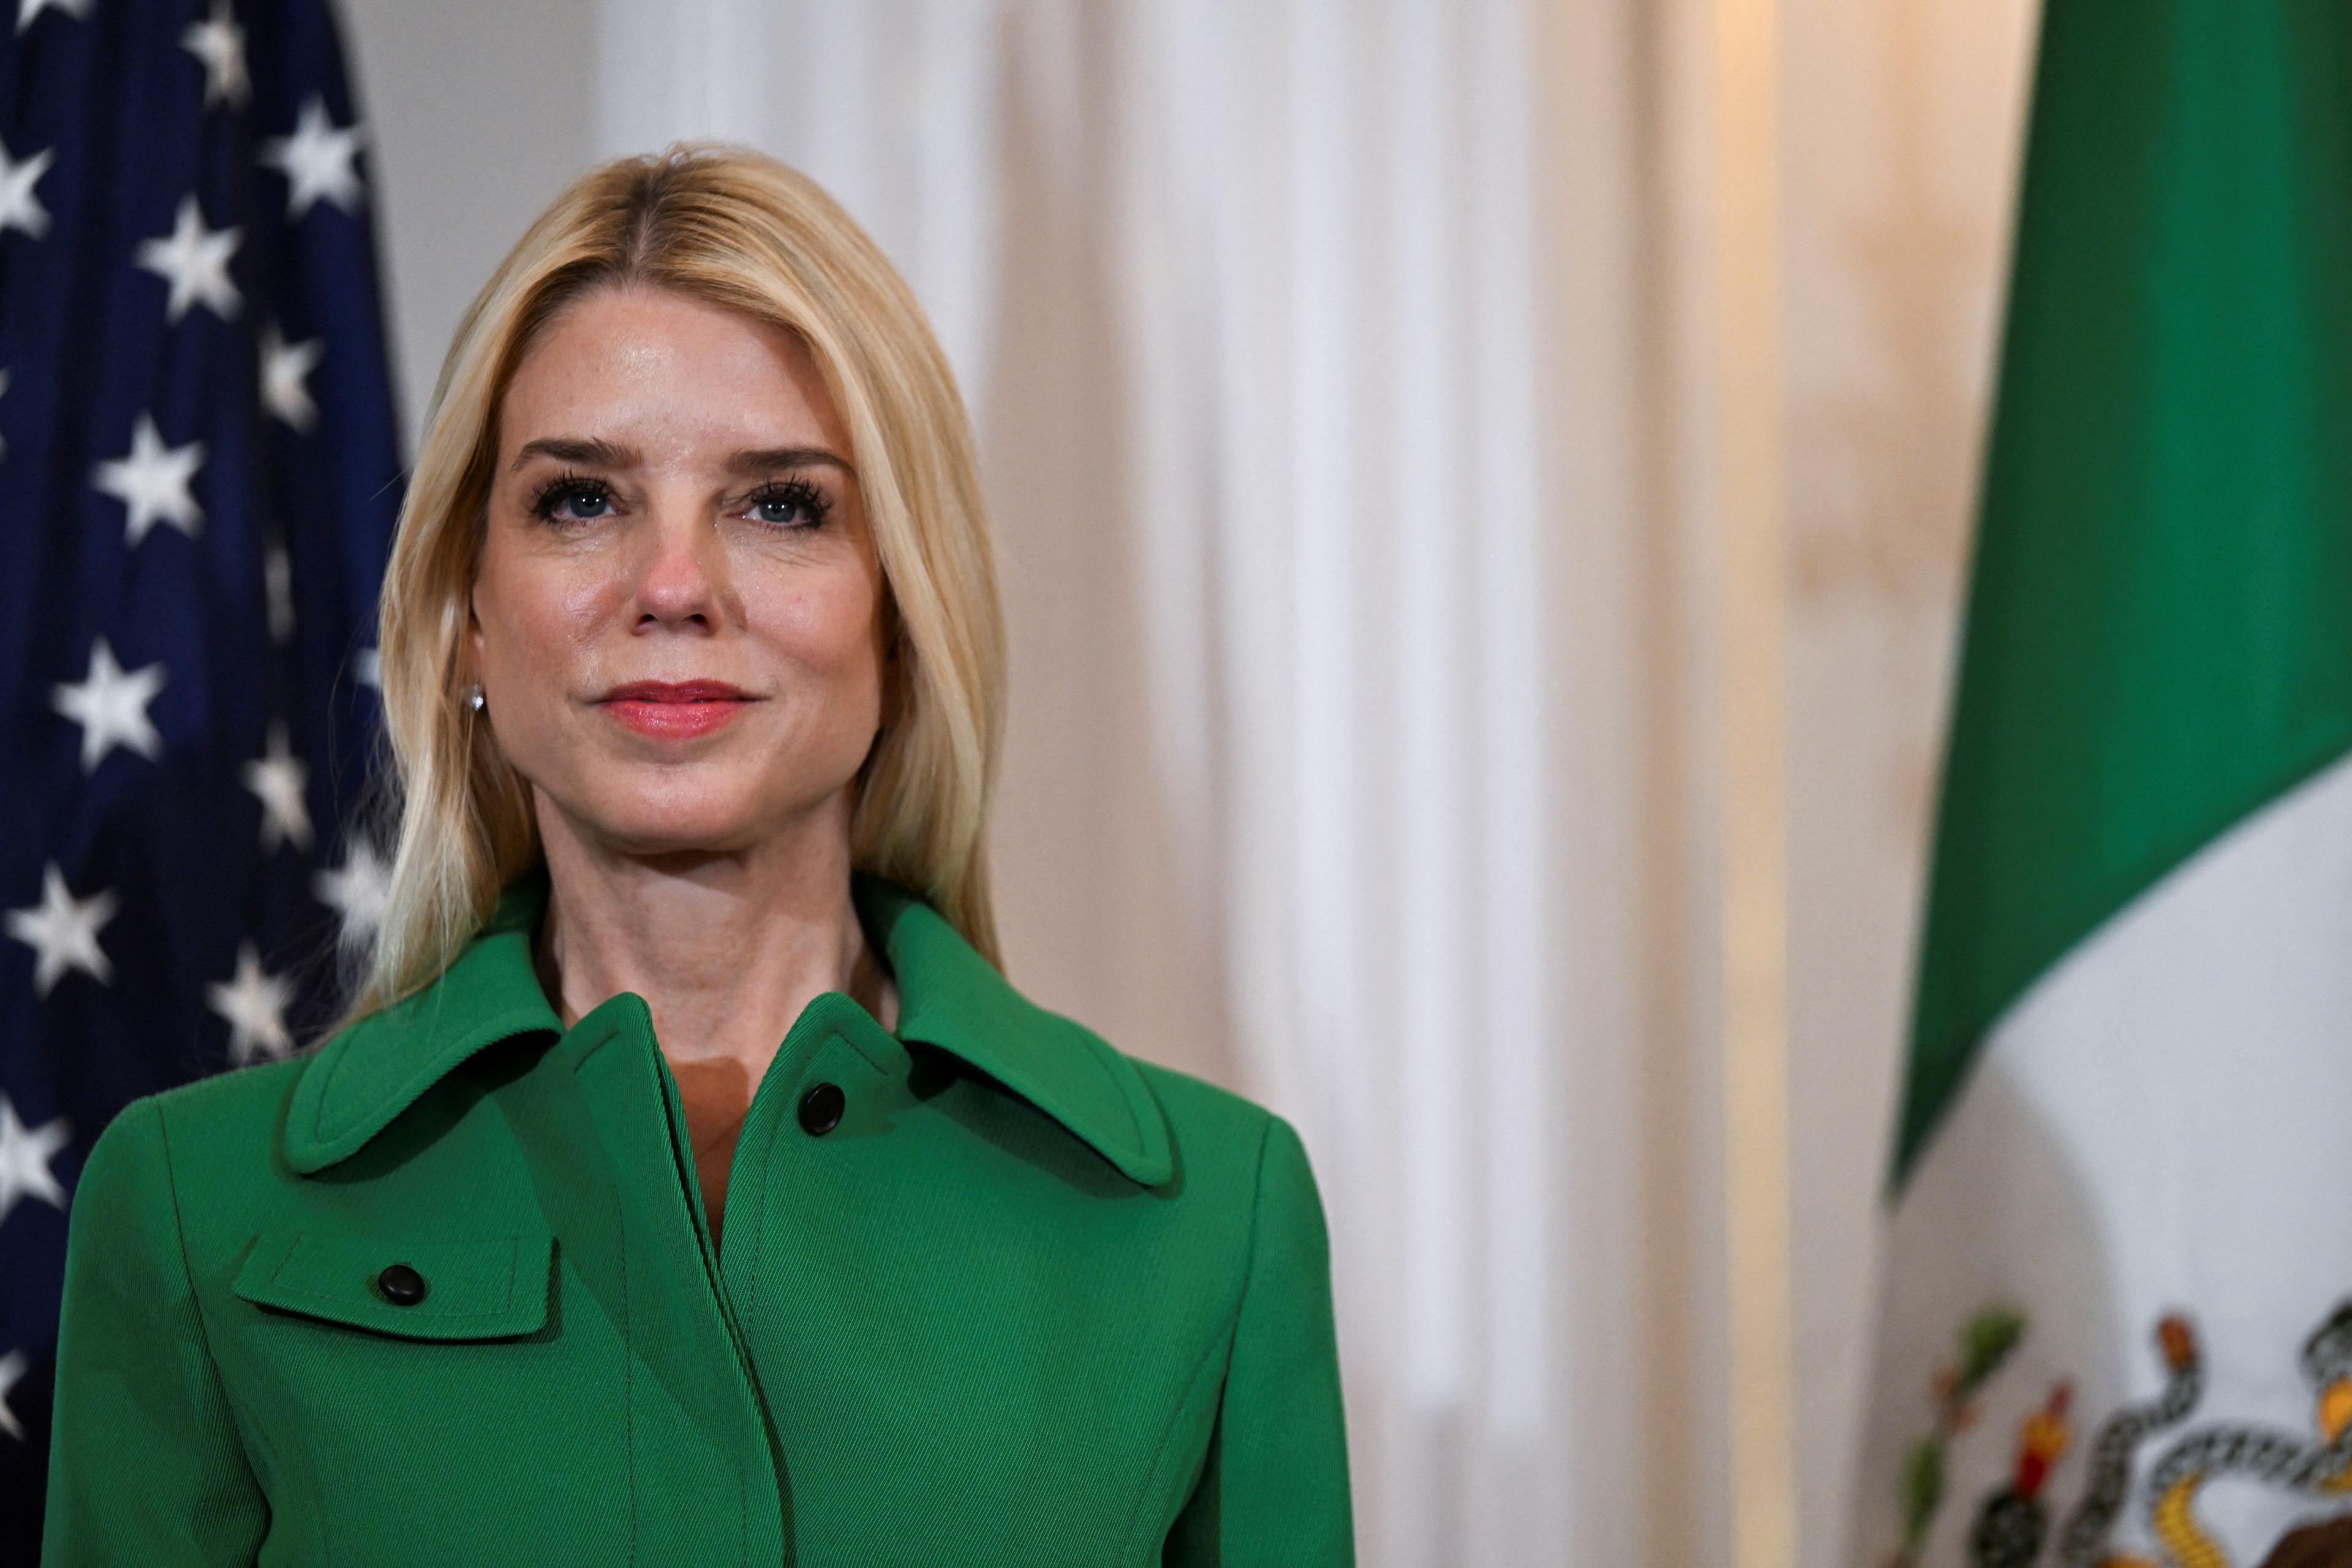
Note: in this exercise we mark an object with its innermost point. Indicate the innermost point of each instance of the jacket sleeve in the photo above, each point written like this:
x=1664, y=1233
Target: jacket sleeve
x=1273, y=1490
x=145, y=1464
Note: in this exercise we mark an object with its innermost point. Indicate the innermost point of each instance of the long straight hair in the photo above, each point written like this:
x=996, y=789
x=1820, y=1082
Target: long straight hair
x=740, y=230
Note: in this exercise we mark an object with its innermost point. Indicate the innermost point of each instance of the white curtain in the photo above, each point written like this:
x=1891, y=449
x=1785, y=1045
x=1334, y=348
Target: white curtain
x=1242, y=291
x=1306, y=340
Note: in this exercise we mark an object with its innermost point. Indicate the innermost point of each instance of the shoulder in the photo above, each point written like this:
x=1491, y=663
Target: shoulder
x=1241, y=1139
x=240, y=1108
x=1207, y=1121
x=209, y=1145
x=1252, y=1165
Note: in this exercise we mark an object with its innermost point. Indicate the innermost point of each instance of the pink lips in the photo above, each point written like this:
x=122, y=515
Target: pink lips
x=676, y=710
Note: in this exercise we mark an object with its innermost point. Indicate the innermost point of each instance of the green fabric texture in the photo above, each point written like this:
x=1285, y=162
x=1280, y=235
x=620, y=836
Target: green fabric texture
x=1030, y=1302
x=2160, y=626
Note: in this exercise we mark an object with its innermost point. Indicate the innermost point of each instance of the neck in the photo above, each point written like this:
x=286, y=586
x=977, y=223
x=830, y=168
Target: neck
x=726, y=947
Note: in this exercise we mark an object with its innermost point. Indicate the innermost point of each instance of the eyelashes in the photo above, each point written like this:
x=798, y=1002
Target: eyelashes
x=593, y=494
x=789, y=503
x=788, y=506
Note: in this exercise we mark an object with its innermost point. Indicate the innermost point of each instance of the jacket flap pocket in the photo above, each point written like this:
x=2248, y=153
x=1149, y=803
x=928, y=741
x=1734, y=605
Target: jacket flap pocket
x=480, y=1289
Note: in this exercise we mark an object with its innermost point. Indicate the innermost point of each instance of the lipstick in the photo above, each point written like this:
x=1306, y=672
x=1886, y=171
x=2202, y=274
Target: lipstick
x=676, y=710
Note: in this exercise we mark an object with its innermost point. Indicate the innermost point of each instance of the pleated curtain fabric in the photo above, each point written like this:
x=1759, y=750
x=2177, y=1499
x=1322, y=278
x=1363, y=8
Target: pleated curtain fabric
x=1251, y=302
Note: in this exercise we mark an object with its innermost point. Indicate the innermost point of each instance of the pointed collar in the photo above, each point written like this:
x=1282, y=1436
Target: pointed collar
x=949, y=996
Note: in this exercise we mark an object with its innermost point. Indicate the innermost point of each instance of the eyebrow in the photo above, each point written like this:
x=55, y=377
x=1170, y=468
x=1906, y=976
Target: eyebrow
x=597, y=454
x=765, y=459
x=574, y=449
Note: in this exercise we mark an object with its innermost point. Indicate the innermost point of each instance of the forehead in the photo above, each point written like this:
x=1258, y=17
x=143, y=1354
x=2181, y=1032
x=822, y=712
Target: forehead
x=655, y=367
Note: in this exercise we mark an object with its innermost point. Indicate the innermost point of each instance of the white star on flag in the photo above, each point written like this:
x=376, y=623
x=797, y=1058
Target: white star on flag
x=278, y=780
x=62, y=930
x=367, y=668
x=28, y=9
x=219, y=43
x=317, y=160
x=12, y=1370
x=255, y=1005
x=285, y=372
x=111, y=706
x=20, y=205
x=151, y=483
x=357, y=892
x=195, y=260
x=25, y=1156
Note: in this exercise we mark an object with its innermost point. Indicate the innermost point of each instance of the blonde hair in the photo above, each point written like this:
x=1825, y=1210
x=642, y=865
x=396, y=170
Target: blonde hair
x=743, y=231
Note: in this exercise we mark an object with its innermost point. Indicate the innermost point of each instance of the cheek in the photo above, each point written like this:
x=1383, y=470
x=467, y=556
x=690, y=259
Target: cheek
x=541, y=612
x=579, y=604
x=828, y=626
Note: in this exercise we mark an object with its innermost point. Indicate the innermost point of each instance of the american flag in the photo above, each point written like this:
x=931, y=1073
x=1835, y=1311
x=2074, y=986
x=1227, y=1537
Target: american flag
x=198, y=488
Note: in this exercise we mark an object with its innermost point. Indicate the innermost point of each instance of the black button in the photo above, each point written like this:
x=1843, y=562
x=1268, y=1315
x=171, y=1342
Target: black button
x=821, y=1109
x=402, y=1286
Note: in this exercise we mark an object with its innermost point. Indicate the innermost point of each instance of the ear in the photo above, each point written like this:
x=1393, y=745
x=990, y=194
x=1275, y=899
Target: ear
x=472, y=638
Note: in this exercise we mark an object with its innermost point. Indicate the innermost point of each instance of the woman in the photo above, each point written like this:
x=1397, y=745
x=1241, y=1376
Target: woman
x=693, y=675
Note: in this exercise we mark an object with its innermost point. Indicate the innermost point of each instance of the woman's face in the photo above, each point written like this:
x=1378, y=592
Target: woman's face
x=679, y=616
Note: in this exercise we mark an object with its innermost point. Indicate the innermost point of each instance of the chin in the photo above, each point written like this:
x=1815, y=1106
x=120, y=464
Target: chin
x=682, y=815
x=649, y=839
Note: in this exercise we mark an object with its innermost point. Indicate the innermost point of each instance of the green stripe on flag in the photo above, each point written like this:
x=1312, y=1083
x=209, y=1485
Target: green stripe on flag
x=2160, y=625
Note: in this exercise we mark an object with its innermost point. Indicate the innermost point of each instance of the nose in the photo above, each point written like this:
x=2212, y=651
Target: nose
x=681, y=578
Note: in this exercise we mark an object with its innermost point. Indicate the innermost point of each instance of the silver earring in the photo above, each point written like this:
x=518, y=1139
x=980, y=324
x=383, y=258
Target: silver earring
x=475, y=698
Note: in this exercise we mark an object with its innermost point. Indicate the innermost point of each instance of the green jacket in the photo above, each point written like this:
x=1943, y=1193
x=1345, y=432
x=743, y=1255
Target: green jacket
x=1027, y=1301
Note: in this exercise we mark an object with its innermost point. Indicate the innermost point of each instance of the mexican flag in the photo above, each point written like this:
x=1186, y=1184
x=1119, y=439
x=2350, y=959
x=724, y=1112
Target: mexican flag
x=2117, y=1321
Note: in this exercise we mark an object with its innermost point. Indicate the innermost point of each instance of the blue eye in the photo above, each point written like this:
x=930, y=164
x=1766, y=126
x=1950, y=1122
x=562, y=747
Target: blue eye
x=790, y=504
x=570, y=499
